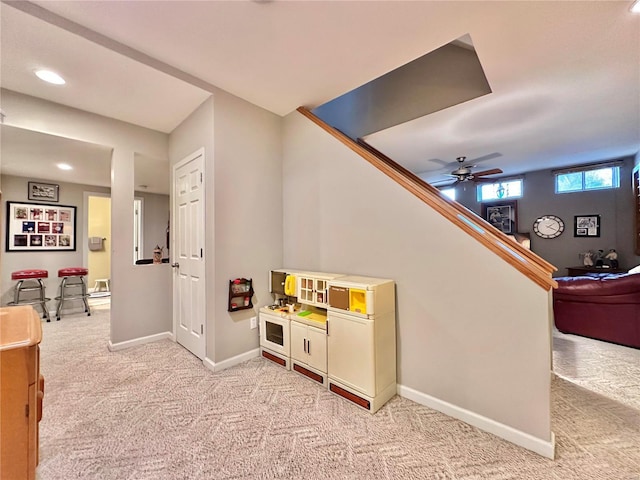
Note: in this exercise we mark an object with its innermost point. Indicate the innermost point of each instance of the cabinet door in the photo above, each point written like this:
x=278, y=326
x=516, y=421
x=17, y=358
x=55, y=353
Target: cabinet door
x=317, y=348
x=321, y=292
x=298, y=341
x=350, y=352
x=306, y=290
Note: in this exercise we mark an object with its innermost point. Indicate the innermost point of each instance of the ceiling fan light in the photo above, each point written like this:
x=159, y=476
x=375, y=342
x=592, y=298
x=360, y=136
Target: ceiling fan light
x=635, y=7
x=64, y=166
x=50, y=77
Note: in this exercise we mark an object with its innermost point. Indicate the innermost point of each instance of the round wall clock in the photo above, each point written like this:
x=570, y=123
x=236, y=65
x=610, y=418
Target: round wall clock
x=548, y=226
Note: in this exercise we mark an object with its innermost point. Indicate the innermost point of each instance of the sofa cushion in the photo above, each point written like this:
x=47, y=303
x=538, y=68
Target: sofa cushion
x=600, y=284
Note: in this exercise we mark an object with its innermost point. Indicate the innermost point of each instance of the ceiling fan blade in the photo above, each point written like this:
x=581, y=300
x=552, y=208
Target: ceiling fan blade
x=484, y=158
x=438, y=161
x=493, y=171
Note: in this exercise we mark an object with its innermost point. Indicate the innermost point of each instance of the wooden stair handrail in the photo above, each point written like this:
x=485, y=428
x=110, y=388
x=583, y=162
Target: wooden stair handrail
x=461, y=208
x=524, y=260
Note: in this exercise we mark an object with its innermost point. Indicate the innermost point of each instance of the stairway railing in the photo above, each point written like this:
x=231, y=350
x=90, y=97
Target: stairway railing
x=531, y=265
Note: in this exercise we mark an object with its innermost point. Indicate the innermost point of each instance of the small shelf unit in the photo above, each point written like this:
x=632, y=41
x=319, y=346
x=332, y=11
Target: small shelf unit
x=240, y=294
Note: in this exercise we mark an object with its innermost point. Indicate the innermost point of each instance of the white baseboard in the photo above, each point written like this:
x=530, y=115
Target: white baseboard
x=230, y=362
x=113, y=347
x=525, y=440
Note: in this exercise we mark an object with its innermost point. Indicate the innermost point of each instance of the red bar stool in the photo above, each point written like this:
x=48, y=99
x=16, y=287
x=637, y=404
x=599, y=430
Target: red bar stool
x=72, y=278
x=33, y=279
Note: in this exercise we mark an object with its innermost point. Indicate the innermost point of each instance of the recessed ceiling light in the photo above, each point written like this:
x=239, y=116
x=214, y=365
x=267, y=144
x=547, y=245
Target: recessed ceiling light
x=51, y=77
x=64, y=166
x=635, y=8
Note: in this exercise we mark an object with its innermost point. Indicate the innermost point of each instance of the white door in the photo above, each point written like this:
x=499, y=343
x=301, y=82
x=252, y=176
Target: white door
x=188, y=253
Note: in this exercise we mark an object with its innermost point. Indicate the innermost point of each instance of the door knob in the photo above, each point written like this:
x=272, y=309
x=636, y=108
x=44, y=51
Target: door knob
x=175, y=265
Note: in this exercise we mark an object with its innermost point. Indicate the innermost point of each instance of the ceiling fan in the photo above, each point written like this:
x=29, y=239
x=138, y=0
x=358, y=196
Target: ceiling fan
x=464, y=173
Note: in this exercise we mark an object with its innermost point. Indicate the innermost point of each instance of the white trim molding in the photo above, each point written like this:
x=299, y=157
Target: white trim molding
x=545, y=448
x=230, y=362
x=114, y=347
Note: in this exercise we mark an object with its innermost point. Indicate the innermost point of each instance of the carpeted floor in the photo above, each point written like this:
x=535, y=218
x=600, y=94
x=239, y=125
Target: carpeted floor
x=155, y=412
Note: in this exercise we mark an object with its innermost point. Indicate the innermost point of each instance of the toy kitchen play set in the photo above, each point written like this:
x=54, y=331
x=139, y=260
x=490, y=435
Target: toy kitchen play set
x=338, y=330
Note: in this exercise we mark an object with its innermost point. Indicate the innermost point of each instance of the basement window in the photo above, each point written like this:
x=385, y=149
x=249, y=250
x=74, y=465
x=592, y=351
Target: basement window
x=487, y=192
x=587, y=178
x=449, y=192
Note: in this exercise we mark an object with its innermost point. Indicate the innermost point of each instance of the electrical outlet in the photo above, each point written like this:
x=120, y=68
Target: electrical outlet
x=254, y=322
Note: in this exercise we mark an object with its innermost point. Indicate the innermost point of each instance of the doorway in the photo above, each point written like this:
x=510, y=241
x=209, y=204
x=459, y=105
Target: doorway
x=98, y=253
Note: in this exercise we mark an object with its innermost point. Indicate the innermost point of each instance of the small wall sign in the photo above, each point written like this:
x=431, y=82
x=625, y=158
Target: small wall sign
x=48, y=192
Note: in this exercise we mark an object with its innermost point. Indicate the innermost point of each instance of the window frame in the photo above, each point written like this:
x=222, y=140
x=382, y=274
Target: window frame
x=479, y=187
x=615, y=178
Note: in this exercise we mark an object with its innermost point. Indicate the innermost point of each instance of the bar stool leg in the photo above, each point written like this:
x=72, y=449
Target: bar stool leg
x=16, y=293
x=61, y=298
x=84, y=297
x=43, y=304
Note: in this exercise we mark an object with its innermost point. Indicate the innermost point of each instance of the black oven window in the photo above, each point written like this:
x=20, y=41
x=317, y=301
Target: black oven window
x=274, y=333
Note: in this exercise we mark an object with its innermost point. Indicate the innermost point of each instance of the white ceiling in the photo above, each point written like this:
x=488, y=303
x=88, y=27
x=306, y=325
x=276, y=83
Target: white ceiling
x=565, y=75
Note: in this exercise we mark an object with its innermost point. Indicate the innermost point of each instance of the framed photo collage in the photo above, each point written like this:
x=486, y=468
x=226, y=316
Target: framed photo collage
x=40, y=227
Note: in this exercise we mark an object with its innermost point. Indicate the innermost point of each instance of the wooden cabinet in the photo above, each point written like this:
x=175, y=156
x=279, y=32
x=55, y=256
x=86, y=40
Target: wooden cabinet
x=21, y=392
x=578, y=271
x=309, y=351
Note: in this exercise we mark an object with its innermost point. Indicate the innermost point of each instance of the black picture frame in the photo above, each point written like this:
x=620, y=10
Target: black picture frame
x=586, y=226
x=47, y=192
x=40, y=227
x=503, y=215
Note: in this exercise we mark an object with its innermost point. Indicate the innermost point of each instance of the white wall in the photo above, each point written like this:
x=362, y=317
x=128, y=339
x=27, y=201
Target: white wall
x=248, y=213
x=243, y=209
x=473, y=333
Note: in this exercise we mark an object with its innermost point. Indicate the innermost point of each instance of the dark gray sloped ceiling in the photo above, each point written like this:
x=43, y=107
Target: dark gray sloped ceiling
x=450, y=75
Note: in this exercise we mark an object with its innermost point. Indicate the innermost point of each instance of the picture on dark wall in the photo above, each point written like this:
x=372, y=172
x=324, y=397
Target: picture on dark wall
x=30, y=227
x=587, y=226
x=502, y=215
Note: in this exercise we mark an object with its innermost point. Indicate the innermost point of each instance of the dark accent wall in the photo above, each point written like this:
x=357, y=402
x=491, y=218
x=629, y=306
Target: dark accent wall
x=440, y=79
x=614, y=206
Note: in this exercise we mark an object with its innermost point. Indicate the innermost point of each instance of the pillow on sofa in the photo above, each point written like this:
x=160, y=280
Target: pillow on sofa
x=635, y=269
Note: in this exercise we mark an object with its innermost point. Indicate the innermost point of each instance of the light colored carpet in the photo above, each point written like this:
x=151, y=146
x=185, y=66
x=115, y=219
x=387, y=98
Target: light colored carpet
x=155, y=412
